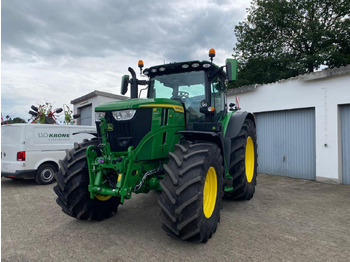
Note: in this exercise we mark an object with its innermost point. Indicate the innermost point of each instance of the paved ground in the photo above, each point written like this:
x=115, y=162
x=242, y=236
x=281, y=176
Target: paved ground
x=287, y=220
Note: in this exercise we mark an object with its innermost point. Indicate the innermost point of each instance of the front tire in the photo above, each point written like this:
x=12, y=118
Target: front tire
x=192, y=191
x=72, y=187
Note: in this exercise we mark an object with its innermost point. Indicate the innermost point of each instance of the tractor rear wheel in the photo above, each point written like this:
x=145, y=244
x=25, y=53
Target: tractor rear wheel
x=192, y=191
x=72, y=187
x=243, y=163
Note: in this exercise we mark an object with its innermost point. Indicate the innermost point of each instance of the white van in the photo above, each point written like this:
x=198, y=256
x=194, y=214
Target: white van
x=33, y=150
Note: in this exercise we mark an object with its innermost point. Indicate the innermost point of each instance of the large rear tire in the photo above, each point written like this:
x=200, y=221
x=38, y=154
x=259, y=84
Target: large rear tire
x=72, y=187
x=192, y=191
x=243, y=163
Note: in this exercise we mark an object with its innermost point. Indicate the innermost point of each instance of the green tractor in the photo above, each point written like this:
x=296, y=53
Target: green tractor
x=181, y=140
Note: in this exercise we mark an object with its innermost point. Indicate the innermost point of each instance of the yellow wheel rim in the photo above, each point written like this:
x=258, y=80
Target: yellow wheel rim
x=102, y=198
x=210, y=192
x=249, y=159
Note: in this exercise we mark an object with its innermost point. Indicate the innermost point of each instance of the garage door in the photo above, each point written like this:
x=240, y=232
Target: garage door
x=286, y=143
x=345, y=141
x=86, y=115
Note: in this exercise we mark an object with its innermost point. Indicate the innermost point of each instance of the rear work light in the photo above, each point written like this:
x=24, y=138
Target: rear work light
x=21, y=156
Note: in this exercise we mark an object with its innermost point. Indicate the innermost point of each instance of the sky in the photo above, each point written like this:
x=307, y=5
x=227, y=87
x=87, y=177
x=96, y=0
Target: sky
x=58, y=50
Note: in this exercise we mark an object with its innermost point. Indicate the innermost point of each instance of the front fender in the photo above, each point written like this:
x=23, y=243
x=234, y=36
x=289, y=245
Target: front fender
x=212, y=137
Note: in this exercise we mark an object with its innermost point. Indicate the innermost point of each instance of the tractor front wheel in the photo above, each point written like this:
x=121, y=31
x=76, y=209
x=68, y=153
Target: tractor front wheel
x=192, y=191
x=72, y=187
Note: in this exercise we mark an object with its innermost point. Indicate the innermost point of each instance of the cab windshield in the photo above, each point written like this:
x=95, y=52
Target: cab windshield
x=186, y=87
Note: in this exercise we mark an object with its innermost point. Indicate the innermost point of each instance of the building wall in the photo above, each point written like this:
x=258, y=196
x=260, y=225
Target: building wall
x=325, y=91
x=92, y=100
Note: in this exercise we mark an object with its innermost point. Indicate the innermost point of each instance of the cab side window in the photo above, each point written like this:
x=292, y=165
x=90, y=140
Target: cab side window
x=218, y=95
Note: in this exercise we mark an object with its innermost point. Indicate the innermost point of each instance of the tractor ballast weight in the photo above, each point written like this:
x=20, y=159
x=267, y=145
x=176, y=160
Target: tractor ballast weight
x=180, y=140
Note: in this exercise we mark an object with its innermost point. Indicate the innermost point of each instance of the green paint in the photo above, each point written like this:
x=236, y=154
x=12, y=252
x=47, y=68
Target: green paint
x=139, y=168
x=228, y=188
x=225, y=121
x=129, y=168
x=134, y=104
x=231, y=68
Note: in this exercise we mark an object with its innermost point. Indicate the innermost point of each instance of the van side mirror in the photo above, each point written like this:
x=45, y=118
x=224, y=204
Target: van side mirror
x=125, y=83
x=231, y=69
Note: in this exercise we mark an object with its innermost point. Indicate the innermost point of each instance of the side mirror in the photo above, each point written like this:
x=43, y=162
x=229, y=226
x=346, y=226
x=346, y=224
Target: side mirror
x=231, y=69
x=125, y=83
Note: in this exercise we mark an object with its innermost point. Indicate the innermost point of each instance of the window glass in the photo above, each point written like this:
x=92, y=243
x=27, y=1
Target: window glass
x=160, y=90
x=181, y=85
x=218, y=95
x=187, y=88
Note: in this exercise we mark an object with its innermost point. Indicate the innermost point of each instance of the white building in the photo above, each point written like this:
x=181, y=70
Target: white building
x=86, y=104
x=303, y=125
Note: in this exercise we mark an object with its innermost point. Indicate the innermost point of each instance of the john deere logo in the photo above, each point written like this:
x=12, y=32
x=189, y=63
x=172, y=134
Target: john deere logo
x=110, y=127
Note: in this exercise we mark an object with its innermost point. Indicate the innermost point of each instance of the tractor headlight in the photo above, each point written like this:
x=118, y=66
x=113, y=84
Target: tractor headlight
x=124, y=114
x=99, y=115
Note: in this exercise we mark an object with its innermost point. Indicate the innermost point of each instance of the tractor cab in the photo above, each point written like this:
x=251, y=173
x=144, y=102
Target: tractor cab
x=199, y=86
x=202, y=95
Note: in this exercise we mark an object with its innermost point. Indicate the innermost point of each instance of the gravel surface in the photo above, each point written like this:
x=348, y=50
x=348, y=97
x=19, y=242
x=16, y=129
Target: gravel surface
x=287, y=220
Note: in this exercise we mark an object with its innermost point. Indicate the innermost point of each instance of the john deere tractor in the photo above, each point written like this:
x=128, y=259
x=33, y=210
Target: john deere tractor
x=182, y=140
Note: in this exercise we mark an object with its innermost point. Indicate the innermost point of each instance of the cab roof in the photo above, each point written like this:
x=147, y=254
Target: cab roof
x=180, y=67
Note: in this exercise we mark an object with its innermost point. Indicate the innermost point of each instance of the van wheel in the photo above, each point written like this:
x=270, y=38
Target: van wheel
x=45, y=174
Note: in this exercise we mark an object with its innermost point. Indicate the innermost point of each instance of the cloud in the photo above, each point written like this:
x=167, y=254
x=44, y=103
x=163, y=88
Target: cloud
x=59, y=50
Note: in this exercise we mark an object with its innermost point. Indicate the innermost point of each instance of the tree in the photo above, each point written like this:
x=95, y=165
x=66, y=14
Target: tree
x=16, y=120
x=283, y=38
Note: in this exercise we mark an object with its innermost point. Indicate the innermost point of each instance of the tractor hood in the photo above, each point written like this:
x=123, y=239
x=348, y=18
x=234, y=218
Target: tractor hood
x=140, y=102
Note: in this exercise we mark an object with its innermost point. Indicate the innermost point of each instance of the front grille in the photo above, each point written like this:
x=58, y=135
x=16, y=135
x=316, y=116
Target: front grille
x=129, y=133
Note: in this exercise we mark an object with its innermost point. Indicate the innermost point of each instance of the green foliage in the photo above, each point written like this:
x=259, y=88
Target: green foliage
x=16, y=120
x=68, y=115
x=284, y=38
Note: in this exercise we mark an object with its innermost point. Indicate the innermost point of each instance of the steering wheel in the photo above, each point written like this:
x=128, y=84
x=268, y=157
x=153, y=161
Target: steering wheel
x=183, y=94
